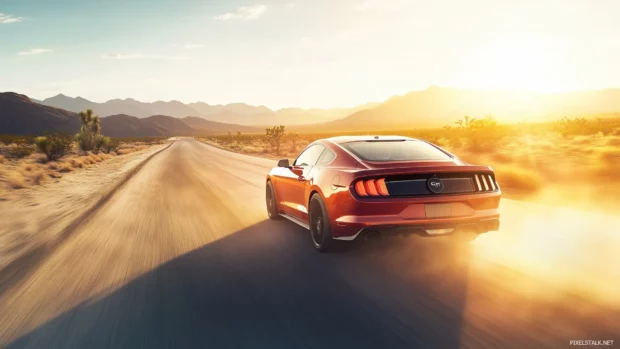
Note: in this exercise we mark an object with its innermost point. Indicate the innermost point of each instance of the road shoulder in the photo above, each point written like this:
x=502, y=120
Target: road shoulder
x=38, y=216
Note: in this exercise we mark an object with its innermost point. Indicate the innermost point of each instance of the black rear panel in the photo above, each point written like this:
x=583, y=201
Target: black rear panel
x=453, y=183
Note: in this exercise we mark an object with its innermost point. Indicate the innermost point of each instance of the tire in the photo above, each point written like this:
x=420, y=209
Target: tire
x=320, y=228
x=270, y=201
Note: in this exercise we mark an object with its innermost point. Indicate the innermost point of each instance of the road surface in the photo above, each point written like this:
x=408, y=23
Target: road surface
x=184, y=256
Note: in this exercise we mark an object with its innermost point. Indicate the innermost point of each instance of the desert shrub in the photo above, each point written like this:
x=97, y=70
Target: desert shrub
x=577, y=126
x=274, y=136
x=101, y=142
x=20, y=150
x=481, y=135
x=10, y=139
x=16, y=180
x=109, y=145
x=54, y=146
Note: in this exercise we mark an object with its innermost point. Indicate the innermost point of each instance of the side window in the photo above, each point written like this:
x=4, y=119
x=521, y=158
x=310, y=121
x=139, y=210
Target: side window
x=309, y=156
x=326, y=157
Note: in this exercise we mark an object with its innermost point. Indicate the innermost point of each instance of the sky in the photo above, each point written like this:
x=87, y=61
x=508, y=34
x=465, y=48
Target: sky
x=293, y=53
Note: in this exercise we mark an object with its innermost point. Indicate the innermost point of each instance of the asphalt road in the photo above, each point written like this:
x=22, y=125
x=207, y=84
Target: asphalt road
x=184, y=256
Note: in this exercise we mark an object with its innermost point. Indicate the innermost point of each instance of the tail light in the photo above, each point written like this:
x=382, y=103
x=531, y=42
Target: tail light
x=484, y=182
x=371, y=187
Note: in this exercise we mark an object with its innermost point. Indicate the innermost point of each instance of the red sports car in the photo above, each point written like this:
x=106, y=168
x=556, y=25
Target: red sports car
x=342, y=188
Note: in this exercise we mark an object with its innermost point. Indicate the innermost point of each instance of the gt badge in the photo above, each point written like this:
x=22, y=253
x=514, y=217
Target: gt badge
x=435, y=185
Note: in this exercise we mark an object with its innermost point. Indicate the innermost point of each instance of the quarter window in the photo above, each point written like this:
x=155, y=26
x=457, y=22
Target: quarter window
x=326, y=157
x=309, y=156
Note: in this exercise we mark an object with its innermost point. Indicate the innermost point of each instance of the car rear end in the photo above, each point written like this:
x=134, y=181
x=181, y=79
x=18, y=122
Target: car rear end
x=435, y=195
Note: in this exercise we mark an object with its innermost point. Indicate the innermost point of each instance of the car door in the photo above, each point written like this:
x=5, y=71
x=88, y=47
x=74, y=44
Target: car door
x=297, y=180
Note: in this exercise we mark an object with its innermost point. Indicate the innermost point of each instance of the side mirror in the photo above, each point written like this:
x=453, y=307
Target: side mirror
x=297, y=171
x=283, y=163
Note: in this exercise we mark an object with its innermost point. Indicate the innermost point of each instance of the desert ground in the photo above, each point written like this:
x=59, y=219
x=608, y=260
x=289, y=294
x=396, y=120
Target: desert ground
x=181, y=254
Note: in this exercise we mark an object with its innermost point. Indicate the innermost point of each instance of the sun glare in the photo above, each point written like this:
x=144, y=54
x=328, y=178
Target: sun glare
x=524, y=64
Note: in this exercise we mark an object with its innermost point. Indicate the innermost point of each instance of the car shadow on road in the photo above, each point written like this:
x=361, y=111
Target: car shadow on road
x=265, y=287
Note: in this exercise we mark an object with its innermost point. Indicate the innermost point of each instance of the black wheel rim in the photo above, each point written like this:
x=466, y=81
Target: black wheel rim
x=269, y=201
x=317, y=228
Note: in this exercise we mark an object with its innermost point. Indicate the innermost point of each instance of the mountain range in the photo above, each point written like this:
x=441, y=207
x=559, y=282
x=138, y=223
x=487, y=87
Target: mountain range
x=236, y=113
x=432, y=107
x=438, y=106
x=21, y=115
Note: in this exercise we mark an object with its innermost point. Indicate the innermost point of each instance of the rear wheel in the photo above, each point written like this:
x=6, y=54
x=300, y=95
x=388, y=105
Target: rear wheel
x=272, y=204
x=320, y=228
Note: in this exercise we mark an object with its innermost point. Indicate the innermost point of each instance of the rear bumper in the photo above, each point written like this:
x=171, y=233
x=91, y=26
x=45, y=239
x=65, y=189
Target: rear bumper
x=478, y=213
x=446, y=227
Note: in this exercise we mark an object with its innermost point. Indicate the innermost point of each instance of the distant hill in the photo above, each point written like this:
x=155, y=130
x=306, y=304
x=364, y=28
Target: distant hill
x=131, y=126
x=233, y=113
x=286, y=116
x=238, y=108
x=438, y=106
x=204, y=126
x=121, y=106
x=20, y=115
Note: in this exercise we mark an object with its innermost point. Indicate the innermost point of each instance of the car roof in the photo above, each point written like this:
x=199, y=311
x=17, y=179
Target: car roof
x=347, y=139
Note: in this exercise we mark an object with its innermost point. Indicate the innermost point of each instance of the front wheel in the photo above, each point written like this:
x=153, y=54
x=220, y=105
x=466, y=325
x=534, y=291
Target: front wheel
x=272, y=204
x=320, y=228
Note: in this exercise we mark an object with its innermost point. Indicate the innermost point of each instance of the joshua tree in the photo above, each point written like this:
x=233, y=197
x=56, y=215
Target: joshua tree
x=274, y=136
x=465, y=121
x=293, y=136
x=91, y=126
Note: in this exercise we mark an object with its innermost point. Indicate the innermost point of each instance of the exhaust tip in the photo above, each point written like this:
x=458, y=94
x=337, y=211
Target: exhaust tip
x=439, y=231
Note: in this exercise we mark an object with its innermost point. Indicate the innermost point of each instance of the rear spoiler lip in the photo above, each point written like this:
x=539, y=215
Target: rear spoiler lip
x=359, y=173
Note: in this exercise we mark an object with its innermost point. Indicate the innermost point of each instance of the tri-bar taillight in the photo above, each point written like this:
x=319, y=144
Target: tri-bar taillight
x=371, y=187
x=484, y=182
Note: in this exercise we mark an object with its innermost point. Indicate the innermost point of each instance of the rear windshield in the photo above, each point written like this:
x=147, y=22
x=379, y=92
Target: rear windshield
x=405, y=150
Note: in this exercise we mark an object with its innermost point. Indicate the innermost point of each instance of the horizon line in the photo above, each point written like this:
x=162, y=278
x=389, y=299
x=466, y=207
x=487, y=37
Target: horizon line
x=520, y=90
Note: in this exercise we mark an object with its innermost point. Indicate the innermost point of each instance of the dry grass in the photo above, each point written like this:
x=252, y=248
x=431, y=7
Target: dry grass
x=75, y=163
x=53, y=165
x=15, y=180
x=27, y=167
x=65, y=167
x=31, y=170
x=130, y=148
x=38, y=177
